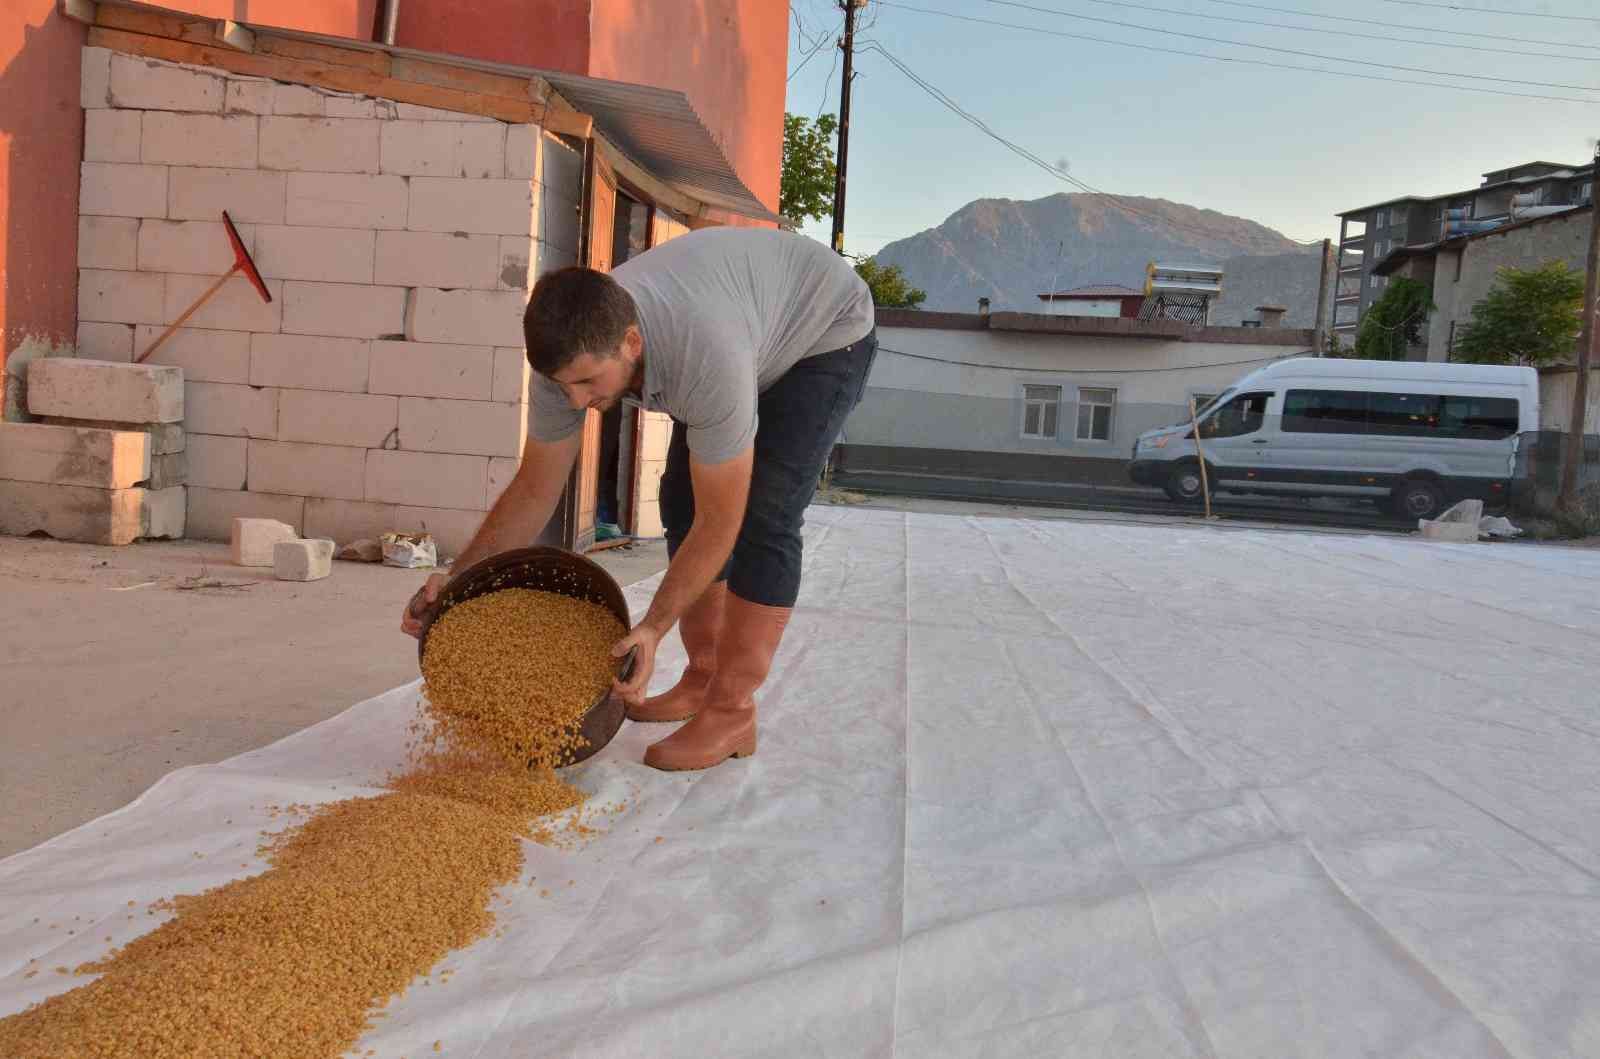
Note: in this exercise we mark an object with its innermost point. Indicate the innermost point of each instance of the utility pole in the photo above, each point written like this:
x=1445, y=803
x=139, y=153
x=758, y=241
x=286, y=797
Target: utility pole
x=849, y=45
x=1573, y=457
x=1320, y=334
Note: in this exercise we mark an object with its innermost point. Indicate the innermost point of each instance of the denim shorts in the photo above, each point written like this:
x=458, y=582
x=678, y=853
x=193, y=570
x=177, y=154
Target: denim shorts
x=800, y=418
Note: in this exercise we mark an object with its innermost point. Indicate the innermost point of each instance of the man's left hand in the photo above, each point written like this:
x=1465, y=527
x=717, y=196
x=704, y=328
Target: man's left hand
x=643, y=639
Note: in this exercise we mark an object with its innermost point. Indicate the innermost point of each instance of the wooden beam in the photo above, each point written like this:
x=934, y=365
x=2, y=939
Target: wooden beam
x=444, y=76
x=232, y=35
x=320, y=74
x=656, y=189
x=134, y=20
x=565, y=122
x=79, y=10
x=376, y=62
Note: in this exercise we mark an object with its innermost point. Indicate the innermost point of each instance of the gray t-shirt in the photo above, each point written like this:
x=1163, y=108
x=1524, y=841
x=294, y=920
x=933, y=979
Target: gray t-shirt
x=725, y=312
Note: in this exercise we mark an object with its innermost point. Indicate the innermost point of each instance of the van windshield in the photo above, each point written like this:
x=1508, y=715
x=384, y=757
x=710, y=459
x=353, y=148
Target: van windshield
x=1206, y=407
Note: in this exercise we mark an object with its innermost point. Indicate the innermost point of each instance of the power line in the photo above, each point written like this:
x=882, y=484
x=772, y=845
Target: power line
x=1342, y=32
x=813, y=45
x=1234, y=58
x=1093, y=371
x=1291, y=51
x=1495, y=11
x=1023, y=152
x=1401, y=25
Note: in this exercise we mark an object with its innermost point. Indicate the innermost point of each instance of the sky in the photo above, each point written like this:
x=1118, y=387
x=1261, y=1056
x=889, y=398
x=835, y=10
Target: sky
x=1287, y=148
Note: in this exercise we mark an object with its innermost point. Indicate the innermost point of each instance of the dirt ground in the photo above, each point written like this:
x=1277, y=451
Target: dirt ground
x=119, y=665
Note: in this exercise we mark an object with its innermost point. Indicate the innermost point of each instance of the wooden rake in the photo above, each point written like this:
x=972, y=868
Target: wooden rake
x=241, y=263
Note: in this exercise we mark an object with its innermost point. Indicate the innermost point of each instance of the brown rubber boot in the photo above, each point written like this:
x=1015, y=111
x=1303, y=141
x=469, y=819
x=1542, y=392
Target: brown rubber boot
x=726, y=725
x=698, y=627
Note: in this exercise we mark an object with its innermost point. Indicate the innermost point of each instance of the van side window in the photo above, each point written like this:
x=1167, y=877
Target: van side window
x=1325, y=412
x=1403, y=414
x=1242, y=415
x=1479, y=418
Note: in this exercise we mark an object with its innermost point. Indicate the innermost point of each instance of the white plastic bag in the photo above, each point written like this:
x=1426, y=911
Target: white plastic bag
x=412, y=551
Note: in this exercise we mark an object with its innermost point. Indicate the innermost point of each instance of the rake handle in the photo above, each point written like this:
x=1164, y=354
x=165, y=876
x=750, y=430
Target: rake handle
x=179, y=322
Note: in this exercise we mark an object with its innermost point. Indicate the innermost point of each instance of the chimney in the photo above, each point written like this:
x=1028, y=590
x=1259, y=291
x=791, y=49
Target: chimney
x=1271, y=315
x=983, y=306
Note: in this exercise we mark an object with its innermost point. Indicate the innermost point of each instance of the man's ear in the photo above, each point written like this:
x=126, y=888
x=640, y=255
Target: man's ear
x=633, y=342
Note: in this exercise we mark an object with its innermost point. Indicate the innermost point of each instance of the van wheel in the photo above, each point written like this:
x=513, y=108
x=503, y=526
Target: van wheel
x=1416, y=498
x=1184, y=484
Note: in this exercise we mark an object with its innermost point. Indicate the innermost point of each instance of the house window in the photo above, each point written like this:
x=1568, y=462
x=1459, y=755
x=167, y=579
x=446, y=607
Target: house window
x=1380, y=218
x=1094, y=413
x=1585, y=191
x=1041, y=411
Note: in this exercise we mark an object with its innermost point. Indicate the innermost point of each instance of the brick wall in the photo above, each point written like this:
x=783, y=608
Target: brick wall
x=384, y=387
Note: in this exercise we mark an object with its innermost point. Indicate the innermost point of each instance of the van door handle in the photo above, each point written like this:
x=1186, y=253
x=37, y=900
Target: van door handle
x=1259, y=441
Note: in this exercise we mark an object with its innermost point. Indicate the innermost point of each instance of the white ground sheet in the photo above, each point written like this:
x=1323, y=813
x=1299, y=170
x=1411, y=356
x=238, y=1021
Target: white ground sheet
x=1024, y=789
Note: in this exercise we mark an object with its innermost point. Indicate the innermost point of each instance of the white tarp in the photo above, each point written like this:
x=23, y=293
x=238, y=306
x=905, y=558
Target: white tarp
x=1024, y=788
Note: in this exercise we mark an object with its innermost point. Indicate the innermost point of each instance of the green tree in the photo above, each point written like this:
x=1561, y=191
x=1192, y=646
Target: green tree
x=888, y=285
x=1530, y=317
x=806, y=192
x=1393, y=324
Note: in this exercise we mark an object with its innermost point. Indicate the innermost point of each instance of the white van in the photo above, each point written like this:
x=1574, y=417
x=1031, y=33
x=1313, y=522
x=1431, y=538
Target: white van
x=1416, y=437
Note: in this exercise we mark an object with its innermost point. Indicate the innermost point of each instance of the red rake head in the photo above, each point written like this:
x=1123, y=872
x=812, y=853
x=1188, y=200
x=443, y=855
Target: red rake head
x=241, y=259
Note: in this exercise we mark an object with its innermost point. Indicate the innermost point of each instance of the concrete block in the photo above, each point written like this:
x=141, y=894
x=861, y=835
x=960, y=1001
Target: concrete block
x=165, y=438
x=219, y=140
x=347, y=200
x=234, y=411
x=197, y=247
x=354, y=419
x=205, y=355
x=149, y=84
x=252, y=540
x=112, y=297
x=491, y=207
x=420, y=369
x=308, y=362
x=519, y=262
x=474, y=150
x=100, y=459
x=94, y=78
x=111, y=135
x=212, y=511
x=351, y=200
x=467, y=317
x=235, y=307
x=302, y=560
x=502, y=469
x=331, y=471
x=338, y=105
x=217, y=462
x=249, y=97
x=348, y=520
x=331, y=255
x=298, y=100
x=414, y=112
x=99, y=389
x=1455, y=532
x=168, y=471
x=249, y=195
x=105, y=341
x=474, y=428
x=428, y=479
x=343, y=310
x=114, y=189
x=438, y=259
x=165, y=513
x=522, y=152
x=320, y=145
x=71, y=512
x=452, y=529
x=108, y=243
x=512, y=374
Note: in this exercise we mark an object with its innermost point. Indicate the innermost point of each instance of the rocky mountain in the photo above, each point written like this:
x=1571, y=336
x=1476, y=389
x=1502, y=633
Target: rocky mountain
x=1010, y=251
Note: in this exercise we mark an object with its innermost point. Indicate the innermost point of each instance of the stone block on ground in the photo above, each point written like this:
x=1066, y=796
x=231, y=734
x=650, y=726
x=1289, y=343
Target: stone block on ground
x=302, y=560
x=100, y=459
x=168, y=471
x=105, y=390
x=254, y=539
x=90, y=516
x=165, y=512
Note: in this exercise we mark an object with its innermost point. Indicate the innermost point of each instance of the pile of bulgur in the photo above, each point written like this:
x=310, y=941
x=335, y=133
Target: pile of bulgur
x=367, y=894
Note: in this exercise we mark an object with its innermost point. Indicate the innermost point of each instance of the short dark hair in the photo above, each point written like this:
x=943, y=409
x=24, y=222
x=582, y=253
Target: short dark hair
x=573, y=311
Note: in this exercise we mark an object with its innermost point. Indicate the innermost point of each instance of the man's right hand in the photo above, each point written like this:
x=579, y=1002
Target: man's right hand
x=411, y=617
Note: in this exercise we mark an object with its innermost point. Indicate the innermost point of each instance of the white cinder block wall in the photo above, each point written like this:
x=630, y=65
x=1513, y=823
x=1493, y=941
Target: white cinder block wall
x=385, y=386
